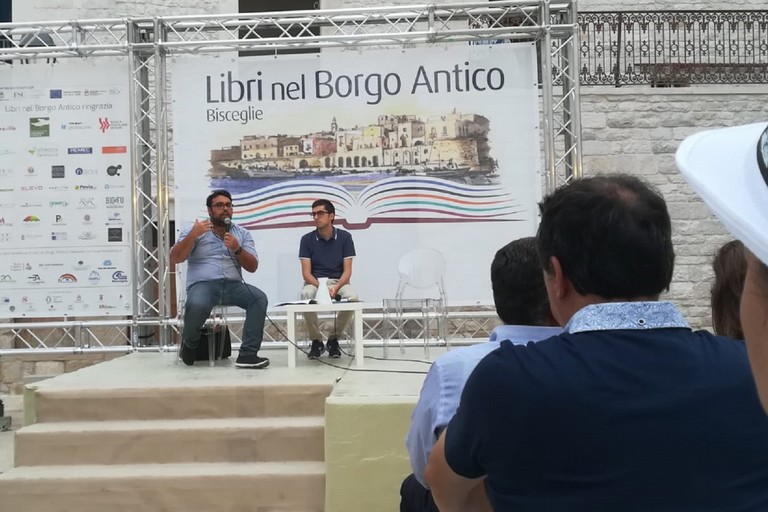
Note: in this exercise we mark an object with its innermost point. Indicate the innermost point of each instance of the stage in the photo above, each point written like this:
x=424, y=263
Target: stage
x=145, y=432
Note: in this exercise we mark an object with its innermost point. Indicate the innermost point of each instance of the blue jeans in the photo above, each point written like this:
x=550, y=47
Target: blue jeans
x=204, y=295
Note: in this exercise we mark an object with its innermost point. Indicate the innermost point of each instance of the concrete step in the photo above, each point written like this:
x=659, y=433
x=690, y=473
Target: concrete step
x=233, y=487
x=171, y=441
x=60, y=405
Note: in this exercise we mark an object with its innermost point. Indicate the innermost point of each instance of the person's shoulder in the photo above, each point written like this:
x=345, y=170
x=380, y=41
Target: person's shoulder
x=308, y=236
x=341, y=234
x=465, y=355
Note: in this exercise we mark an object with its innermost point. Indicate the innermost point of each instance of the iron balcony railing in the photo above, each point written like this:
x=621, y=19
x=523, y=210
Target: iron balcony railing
x=673, y=48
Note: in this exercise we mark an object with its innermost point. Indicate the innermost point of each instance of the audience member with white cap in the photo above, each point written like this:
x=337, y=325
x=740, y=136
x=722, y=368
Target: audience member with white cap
x=728, y=168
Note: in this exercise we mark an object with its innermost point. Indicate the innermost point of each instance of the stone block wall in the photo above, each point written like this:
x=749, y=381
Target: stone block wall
x=16, y=371
x=637, y=130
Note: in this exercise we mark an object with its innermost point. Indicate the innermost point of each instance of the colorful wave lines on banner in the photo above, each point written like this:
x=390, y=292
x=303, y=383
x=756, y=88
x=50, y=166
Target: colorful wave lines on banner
x=392, y=200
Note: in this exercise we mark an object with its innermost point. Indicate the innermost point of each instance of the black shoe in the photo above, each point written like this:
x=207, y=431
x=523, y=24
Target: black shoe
x=251, y=361
x=333, y=348
x=187, y=354
x=316, y=350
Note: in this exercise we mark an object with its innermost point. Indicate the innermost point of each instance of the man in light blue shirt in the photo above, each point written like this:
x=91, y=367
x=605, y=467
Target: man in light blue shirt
x=216, y=252
x=521, y=303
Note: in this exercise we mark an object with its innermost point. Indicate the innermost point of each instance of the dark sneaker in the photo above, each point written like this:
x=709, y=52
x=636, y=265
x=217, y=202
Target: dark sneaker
x=333, y=348
x=251, y=361
x=187, y=354
x=316, y=350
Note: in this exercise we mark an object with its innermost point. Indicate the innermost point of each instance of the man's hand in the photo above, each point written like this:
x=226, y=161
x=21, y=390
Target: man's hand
x=231, y=242
x=332, y=292
x=200, y=228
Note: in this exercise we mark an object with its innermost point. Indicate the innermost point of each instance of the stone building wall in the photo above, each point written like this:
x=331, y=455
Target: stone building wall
x=637, y=130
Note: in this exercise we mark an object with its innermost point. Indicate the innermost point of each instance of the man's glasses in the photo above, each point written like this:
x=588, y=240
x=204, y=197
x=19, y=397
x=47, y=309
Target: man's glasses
x=221, y=206
x=318, y=213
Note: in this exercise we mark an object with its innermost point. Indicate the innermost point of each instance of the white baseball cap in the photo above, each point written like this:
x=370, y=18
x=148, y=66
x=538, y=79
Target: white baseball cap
x=728, y=168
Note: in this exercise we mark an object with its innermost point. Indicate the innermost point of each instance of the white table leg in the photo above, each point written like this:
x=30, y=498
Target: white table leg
x=291, y=328
x=359, y=338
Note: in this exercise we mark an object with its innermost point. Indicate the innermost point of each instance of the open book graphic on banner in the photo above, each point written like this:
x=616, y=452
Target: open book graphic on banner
x=392, y=200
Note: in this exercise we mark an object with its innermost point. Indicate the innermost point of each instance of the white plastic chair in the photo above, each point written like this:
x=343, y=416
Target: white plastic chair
x=422, y=270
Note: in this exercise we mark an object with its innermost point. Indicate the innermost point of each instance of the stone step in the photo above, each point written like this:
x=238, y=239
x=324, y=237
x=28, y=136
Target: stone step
x=198, y=487
x=171, y=441
x=60, y=405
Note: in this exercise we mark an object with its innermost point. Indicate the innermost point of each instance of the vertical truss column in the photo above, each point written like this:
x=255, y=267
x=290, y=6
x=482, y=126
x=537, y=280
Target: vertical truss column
x=548, y=114
x=163, y=180
x=143, y=164
x=571, y=97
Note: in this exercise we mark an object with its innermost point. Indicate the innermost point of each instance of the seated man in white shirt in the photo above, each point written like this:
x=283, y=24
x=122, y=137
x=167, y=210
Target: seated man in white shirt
x=521, y=303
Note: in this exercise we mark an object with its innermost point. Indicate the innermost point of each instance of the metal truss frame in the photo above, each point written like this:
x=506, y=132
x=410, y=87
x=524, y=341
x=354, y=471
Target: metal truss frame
x=147, y=43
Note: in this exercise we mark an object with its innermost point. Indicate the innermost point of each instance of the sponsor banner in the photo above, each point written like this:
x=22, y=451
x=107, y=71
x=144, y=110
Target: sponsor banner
x=64, y=174
x=431, y=147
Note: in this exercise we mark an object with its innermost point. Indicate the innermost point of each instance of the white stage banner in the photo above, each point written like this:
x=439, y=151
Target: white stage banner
x=429, y=147
x=65, y=190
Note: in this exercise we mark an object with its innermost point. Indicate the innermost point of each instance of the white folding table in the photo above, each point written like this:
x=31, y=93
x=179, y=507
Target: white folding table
x=357, y=307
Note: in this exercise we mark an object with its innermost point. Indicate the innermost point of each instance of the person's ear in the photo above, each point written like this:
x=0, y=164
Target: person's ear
x=560, y=283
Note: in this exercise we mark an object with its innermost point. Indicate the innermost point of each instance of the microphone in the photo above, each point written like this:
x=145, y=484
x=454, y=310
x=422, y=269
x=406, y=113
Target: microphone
x=337, y=297
x=227, y=223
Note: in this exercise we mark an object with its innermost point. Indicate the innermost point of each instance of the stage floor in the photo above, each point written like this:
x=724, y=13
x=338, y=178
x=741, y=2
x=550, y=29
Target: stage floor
x=399, y=375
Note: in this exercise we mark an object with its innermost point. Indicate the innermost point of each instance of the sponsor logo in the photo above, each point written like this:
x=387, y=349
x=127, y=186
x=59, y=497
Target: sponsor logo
x=107, y=186
x=86, y=235
x=59, y=221
x=30, y=205
x=119, y=277
x=114, y=170
x=4, y=223
x=31, y=171
x=106, y=306
x=6, y=278
x=19, y=267
x=8, y=128
x=7, y=189
x=115, y=201
x=67, y=278
x=28, y=236
x=47, y=265
x=80, y=151
x=56, y=94
x=39, y=127
x=115, y=218
x=34, y=278
x=84, y=172
x=88, y=203
x=59, y=188
x=85, y=187
x=113, y=150
x=94, y=276
x=31, y=219
x=104, y=124
x=86, y=220
x=32, y=188
x=106, y=264
x=4, y=172
x=43, y=152
x=114, y=234
x=58, y=171
x=62, y=204
x=58, y=235
x=75, y=125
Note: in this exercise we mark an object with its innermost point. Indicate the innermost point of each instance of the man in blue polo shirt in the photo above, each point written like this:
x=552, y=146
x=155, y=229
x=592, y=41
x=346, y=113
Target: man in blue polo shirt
x=216, y=252
x=521, y=303
x=628, y=409
x=326, y=252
